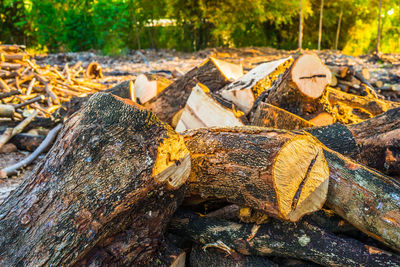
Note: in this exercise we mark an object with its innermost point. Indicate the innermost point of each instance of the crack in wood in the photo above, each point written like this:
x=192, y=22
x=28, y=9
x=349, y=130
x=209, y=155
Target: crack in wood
x=300, y=189
x=314, y=76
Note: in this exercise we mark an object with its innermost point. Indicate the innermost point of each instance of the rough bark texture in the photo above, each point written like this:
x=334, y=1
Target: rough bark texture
x=258, y=168
x=374, y=142
x=371, y=105
x=306, y=241
x=173, y=98
x=122, y=90
x=268, y=115
x=103, y=193
x=370, y=201
x=212, y=257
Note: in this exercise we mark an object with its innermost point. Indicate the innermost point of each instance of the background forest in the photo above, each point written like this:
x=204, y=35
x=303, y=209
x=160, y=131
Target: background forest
x=116, y=26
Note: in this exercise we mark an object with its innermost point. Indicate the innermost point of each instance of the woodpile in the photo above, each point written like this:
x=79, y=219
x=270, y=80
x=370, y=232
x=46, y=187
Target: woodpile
x=33, y=96
x=215, y=168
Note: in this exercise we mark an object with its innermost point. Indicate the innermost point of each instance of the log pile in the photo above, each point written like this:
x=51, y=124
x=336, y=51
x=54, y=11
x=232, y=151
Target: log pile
x=34, y=97
x=271, y=168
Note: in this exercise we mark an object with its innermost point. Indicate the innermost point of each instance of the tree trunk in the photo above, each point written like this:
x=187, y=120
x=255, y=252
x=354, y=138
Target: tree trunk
x=258, y=168
x=212, y=73
x=205, y=109
x=320, y=25
x=280, y=238
x=338, y=28
x=245, y=91
x=301, y=86
x=374, y=142
x=378, y=37
x=101, y=195
x=301, y=26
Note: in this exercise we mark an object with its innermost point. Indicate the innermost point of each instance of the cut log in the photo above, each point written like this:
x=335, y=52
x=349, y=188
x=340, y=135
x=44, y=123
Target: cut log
x=212, y=73
x=374, y=142
x=369, y=200
x=300, y=87
x=244, y=91
x=267, y=115
x=7, y=111
x=94, y=71
x=203, y=109
x=214, y=257
x=148, y=86
x=322, y=119
x=105, y=190
x=300, y=240
x=371, y=105
x=364, y=197
x=258, y=168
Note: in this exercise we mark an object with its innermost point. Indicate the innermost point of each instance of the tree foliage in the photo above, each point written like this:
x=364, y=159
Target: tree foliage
x=115, y=26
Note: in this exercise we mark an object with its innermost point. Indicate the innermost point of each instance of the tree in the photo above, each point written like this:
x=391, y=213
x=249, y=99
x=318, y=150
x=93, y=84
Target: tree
x=301, y=26
x=320, y=25
x=378, y=37
x=338, y=28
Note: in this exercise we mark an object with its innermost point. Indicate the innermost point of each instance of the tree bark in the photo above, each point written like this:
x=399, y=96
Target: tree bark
x=268, y=115
x=281, y=238
x=373, y=142
x=258, y=168
x=364, y=197
x=101, y=195
x=174, y=97
x=371, y=105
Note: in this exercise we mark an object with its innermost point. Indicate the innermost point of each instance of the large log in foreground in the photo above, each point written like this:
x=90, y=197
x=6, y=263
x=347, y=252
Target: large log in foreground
x=103, y=193
x=259, y=168
x=300, y=240
x=235, y=164
x=212, y=73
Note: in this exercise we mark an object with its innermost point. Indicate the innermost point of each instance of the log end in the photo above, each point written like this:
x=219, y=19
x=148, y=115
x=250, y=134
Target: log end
x=311, y=75
x=301, y=182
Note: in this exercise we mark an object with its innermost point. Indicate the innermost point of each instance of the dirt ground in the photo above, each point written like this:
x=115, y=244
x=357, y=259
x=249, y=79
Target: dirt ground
x=172, y=64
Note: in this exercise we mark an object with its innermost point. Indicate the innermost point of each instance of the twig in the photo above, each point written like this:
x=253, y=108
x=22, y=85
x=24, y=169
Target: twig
x=8, y=94
x=33, y=100
x=28, y=160
x=9, y=133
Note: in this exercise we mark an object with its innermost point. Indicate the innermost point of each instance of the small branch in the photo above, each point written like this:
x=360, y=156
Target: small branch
x=46, y=142
x=9, y=133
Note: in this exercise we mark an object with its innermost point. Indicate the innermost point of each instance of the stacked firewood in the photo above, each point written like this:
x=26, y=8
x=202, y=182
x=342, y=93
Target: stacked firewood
x=270, y=168
x=34, y=97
